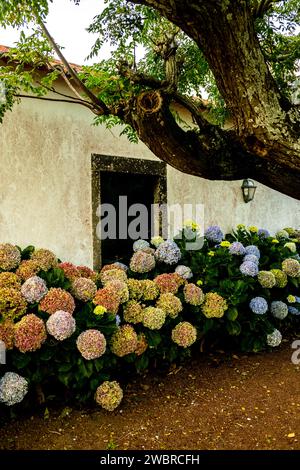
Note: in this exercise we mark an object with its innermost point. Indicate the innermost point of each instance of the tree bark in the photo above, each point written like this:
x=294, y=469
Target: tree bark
x=211, y=153
x=265, y=142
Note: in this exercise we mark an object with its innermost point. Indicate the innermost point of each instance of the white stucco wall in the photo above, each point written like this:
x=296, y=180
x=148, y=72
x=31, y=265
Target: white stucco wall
x=45, y=182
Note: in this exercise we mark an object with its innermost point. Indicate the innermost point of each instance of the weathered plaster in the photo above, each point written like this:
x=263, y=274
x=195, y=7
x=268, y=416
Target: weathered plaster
x=46, y=191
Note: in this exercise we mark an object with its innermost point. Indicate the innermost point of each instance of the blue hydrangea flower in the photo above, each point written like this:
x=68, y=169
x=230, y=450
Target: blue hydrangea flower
x=237, y=248
x=214, y=234
x=293, y=310
x=279, y=309
x=297, y=299
x=251, y=258
x=121, y=265
x=252, y=250
x=258, y=305
x=140, y=245
x=263, y=233
x=249, y=269
x=168, y=252
x=118, y=320
x=274, y=339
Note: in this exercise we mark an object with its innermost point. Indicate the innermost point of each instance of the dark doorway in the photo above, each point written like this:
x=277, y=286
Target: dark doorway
x=142, y=182
x=138, y=189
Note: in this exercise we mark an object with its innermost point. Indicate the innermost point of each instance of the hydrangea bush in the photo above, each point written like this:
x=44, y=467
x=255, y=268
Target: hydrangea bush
x=80, y=333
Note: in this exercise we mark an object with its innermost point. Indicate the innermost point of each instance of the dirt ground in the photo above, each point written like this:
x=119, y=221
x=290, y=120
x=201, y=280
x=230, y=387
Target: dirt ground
x=218, y=401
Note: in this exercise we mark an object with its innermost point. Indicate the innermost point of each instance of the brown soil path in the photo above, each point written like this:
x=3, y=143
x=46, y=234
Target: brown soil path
x=217, y=402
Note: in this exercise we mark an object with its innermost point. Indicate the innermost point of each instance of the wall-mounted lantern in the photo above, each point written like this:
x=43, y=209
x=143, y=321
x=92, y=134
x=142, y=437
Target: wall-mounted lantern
x=248, y=188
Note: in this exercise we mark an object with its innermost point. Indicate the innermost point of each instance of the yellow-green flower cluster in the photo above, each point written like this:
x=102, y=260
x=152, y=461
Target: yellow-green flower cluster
x=214, y=305
x=28, y=268
x=184, y=334
x=10, y=256
x=150, y=290
x=112, y=275
x=266, y=279
x=44, y=259
x=170, y=304
x=100, y=310
x=119, y=288
x=291, y=267
x=280, y=278
x=156, y=241
x=109, y=395
x=132, y=312
x=12, y=303
x=142, y=344
x=124, y=341
x=291, y=246
x=193, y=294
x=153, y=318
x=225, y=244
x=9, y=279
x=135, y=289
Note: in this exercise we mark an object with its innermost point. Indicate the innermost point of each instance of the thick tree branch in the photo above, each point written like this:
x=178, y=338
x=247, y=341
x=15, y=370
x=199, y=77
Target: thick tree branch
x=211, y=153
x=102, y=108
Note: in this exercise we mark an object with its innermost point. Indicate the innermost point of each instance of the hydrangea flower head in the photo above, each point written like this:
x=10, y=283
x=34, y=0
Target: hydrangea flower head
x=266, y=279
x=291, y=246
x=214, y=234
x=45, y=259
x=168, y=252
x=91, y=344
x=184, y=334
x=84, y=289
x=12, y=303
x=142, y=262
x=27, y=268
x=279, y=309
x=132, y=312
x=140, y=245
x=61, y=325
x=263, y=233
x=13, y=388
x=274, y=339
x=258, y=305
x=251, y=258
x=124, y=341
x=10, y=257
x=291, y=267
x=30, y=333
x=153, y=318
x=109, y=395
x=71, y=271
x=170, y=304
x=57, y=299
x=237, y=248
x=280, y=277
x=214, y=305
x=168, y=282
x=248, y=268
x=193, y=294
x=107, y=299
x=184, y=271
x=9, y=279
x=252, y=250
